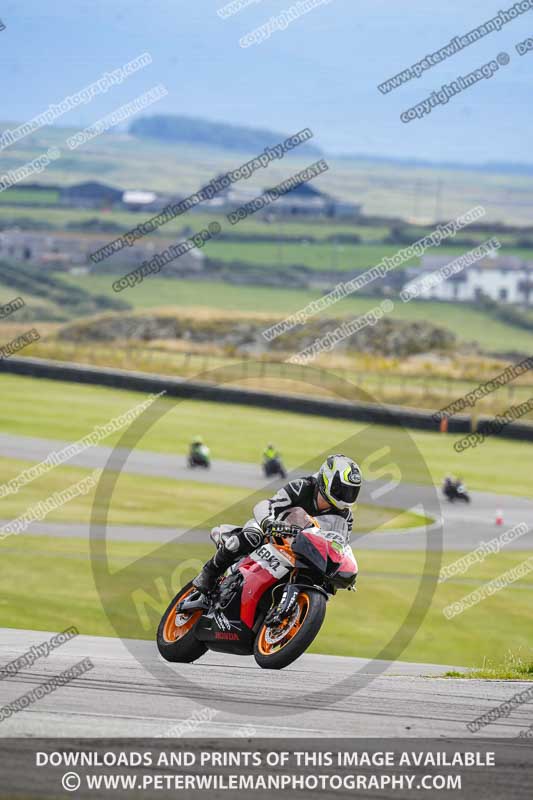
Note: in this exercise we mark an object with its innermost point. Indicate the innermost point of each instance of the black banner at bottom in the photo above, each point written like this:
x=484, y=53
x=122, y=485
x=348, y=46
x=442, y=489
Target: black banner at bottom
x=488, y=769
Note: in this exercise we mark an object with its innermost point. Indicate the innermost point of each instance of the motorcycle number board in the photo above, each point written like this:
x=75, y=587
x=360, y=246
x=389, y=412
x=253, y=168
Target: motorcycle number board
x=272, y=560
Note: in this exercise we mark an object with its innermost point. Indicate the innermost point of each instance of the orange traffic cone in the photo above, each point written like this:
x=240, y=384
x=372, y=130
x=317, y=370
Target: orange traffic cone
x=499, y=517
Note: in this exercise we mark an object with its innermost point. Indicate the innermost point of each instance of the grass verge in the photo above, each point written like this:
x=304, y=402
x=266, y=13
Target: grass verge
x=153, y=501
x=513, y=668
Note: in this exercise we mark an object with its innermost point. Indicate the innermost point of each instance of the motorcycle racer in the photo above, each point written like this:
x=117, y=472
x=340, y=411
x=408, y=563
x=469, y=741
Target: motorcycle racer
x=332, y=490
x=272, y=463
x=196, y=445
x=199, y=453
x=270, y=452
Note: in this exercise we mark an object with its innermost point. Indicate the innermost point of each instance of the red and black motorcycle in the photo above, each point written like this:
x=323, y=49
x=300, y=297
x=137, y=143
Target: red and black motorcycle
x=272, y=602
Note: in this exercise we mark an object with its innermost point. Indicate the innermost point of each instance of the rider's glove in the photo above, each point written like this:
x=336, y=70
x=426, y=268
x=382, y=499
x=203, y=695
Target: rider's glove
x=266, y=523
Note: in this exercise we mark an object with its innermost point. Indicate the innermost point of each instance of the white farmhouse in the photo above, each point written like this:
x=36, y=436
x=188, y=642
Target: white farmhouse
x=506, y=279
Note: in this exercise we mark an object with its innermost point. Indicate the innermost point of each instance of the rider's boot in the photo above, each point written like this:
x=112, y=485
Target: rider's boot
x=206, y=580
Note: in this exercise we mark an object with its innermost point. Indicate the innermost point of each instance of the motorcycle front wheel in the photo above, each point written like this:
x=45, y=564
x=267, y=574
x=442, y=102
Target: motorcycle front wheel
x=175, y=636
x=277, y=646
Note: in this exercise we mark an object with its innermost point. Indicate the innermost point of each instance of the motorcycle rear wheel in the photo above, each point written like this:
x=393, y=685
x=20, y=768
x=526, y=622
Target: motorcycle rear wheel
x=175, y=635
x=277, y=647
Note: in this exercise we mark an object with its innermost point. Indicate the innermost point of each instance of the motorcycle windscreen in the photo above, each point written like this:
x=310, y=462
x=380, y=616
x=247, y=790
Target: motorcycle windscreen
x=297, y=516
x=333, y=526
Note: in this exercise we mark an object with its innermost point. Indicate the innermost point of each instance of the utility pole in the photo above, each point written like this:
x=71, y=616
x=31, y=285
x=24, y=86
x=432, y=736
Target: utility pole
x=418, y=185
x=438, y=202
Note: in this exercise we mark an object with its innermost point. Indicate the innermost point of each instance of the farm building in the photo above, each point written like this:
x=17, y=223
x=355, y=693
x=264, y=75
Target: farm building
x=506, y=279
x=90, y=195
x=307, y=201
x=71, y=251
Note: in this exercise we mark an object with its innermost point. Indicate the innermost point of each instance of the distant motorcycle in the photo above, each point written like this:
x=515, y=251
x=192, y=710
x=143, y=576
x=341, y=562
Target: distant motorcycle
x=273, y=466
x=200, y=457
x=456, y=491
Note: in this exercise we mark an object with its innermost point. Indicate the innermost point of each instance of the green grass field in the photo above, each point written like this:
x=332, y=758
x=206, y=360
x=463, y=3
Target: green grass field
x=327, y=256
x=140, y=500
x=61, y=591
x=68, y=411
x=21, y=195
x=468, y=323
x=74, y=217
x=137, y=499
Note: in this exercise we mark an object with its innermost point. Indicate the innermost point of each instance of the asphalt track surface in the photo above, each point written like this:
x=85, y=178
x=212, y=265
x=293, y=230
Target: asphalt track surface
x=130, y=694
x=465, y=526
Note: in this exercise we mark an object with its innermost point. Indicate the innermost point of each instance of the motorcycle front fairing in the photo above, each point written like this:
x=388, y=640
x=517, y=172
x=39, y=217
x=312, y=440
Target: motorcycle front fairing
x=244, y=598
x=326, y=549
x=263, y=568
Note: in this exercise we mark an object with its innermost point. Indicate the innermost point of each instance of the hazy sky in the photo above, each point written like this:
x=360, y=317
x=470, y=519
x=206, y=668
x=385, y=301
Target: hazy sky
x=321, y=72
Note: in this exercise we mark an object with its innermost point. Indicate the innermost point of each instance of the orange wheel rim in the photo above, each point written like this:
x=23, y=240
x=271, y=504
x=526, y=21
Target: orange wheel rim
x=272, y=640
x=178, y=626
